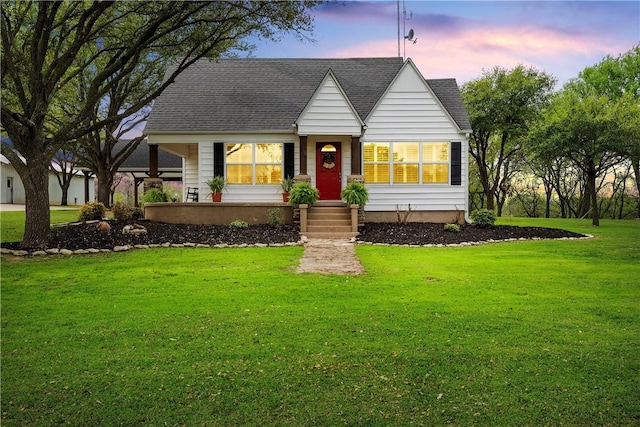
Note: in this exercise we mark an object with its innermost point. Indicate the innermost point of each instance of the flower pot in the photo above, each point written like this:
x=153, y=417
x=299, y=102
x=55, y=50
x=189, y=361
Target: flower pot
x=216, y=197
x=285, y=197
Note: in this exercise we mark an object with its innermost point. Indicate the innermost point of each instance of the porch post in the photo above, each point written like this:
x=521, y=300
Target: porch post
x=136, y=183
x=303, y=154
x=154, y=180
x=87, y=177
x=356, y=156
x=153, y=161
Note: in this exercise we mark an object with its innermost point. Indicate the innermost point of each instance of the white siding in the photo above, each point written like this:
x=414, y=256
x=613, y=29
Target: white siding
x=198, y=167
x=205, y=169
x=75, y=194
x=410, y=112
x=329, y=112
x=190, y=174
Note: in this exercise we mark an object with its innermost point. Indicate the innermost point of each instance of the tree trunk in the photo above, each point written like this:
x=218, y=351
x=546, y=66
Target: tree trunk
x=635, y=162
x=591, y=183
x=64, y=200
x=32, y=165
x=65, y=183
x=488, y=194
x=36, y=190
x=500, y=204
x=105, y=181
x=585, y=200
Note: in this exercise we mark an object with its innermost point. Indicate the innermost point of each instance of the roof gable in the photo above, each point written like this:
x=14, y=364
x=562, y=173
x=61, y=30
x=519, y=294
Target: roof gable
x=444, y=91
x=231, y=95
x=329, y=111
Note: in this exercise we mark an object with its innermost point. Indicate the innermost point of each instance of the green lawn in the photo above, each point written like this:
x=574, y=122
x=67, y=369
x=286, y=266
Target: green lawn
x=521, y=333
x=12, y=223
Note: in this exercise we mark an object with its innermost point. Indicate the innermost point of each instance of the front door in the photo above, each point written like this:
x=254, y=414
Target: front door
x=328, y=167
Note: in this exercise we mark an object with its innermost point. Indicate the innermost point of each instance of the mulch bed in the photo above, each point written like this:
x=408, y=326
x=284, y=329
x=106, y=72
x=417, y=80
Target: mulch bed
x=87, y=235
x=429, y=233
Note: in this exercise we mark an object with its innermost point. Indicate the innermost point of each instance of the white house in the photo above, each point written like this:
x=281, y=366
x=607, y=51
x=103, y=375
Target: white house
x=255, y=121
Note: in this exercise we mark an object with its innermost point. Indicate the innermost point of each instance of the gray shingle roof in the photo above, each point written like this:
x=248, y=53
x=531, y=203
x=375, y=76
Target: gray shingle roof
x=448, y=93
x=139, y=159
x=229, y=95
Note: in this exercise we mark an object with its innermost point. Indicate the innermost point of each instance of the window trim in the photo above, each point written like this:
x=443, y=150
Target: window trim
x=421, y=162
x=254, y=163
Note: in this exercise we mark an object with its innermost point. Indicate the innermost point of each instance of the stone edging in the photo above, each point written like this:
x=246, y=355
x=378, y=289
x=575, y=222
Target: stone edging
x=55, y=251
x=466, y=244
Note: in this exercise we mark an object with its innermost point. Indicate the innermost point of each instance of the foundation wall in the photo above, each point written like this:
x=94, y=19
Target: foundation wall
x=215, y=213
x=444, y=217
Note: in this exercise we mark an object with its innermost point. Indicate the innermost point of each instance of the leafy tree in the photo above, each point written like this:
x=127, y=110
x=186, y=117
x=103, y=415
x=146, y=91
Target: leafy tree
x=584, y=129
x=502, y=104
x=618, y=78
x=48, y=47
x=595, y=122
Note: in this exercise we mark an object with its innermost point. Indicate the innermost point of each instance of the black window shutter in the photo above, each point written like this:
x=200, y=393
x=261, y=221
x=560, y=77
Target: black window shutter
x=218, y=159
x=288, y=160
x=456, y=163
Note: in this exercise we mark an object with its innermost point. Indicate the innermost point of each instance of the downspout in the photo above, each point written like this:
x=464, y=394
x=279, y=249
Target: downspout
x=466, y=187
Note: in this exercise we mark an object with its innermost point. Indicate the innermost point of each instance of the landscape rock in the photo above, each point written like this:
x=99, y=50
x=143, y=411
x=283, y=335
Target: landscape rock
x=104, y=227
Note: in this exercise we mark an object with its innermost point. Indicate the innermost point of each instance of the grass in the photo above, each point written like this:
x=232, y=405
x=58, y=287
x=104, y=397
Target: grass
x=12, y=223
x=522, y=333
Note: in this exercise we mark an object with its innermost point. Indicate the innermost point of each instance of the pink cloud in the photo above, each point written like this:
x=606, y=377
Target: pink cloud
x=466, y=53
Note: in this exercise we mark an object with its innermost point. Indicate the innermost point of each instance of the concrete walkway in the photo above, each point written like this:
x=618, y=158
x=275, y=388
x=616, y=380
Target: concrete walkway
x=330, y=256
x=7, y=207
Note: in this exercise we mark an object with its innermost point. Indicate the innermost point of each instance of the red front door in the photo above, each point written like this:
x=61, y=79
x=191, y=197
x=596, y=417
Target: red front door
x=328, y=167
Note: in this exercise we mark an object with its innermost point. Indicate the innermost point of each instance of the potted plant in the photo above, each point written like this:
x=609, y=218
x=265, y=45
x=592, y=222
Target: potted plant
x=355, y=193
x=286, y=186
x=303, y=193
x=216, y=185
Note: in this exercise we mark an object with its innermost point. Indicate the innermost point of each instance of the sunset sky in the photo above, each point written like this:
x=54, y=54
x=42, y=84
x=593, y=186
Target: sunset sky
x=461, y=38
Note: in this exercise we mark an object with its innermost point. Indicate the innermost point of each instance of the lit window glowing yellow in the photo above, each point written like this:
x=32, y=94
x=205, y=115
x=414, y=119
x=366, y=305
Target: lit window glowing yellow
x=265, y=169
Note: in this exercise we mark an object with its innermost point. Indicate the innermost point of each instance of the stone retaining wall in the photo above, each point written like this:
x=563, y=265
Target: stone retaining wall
x=215, y=213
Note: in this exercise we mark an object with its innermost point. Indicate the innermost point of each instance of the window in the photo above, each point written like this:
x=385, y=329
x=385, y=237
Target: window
x=259, y=163
x=376, y=163
x=406, y=163
x=435, y=159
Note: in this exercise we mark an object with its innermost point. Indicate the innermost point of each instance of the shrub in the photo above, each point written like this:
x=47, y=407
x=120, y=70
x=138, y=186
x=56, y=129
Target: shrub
x=355, y=193
x=91, y=211
x=303, y=193
x=123, y=212
x=137, y=212
x=452, y=228
x=238, y=223
x=274, y=216
x=483, y=218
x=155, y=195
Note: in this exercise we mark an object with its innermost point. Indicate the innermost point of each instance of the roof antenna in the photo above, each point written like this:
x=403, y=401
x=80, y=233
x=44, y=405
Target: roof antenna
x=411, y=36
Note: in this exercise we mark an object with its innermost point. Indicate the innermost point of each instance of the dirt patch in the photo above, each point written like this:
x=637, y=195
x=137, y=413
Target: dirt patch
x=330, y=257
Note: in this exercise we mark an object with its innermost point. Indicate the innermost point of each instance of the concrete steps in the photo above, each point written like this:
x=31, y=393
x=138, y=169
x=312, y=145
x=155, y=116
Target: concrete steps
x=329, y=221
